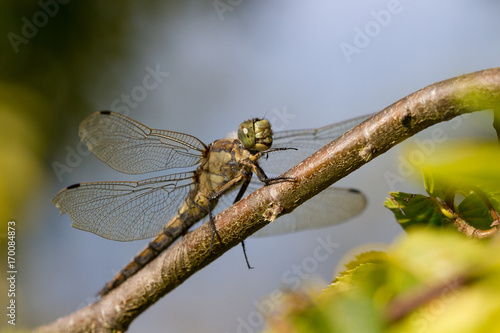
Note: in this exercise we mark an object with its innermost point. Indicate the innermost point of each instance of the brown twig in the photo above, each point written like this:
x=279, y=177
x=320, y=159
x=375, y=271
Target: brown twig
x=462, y=225
x=438, y=102
x=410, y=301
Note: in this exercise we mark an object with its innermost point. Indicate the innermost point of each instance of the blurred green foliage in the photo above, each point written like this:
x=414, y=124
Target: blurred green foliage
x=52, y=52
x=435, y=279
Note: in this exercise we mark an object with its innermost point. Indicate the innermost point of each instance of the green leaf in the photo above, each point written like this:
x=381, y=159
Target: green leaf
x=473, y=210
x=438, y=187
x=344, y=281
x=415, y=209
x=440, y=208
x=373, y=257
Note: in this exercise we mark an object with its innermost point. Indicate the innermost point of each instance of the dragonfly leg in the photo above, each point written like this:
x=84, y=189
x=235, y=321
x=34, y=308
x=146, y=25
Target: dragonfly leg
x=262, y=175
x=272, y=150
x=220, y=191
x=269, y=180
x=212, y=224
x=247, y=177
x=242, y=190
x=245, y=254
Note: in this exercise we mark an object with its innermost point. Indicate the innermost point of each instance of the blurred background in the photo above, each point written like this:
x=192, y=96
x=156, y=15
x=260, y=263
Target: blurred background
x=202, y=67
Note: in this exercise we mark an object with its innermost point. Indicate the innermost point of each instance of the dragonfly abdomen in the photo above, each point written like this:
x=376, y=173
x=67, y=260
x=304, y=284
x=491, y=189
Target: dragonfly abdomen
x=188, y=215
x=156, y=246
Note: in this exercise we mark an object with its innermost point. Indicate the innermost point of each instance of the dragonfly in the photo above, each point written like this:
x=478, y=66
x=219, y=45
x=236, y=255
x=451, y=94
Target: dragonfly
x=166, y=207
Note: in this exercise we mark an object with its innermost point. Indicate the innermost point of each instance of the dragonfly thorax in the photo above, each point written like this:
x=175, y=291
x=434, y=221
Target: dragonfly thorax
x=256, y=134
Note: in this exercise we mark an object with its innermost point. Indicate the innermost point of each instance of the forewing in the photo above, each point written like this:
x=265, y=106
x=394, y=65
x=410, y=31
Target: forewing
x=130, y=147
x=306, y=141
x=124, y=211
x=332, y=206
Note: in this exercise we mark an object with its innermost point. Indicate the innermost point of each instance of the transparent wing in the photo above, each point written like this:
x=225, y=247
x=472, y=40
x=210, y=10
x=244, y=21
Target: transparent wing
x=330, y=207
x=125, y=211
x=306, y=141
x=130, y=147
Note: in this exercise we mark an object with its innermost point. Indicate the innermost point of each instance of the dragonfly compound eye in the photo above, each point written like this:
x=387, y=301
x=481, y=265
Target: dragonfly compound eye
x=246, y=134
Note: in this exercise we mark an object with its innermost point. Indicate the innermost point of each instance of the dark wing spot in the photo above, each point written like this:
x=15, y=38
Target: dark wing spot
x=73, y=186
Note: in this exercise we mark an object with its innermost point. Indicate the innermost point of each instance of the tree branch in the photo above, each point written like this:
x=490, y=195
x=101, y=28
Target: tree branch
x=438, y=102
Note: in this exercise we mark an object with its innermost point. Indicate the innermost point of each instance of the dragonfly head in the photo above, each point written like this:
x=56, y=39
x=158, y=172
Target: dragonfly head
x=256, y=134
